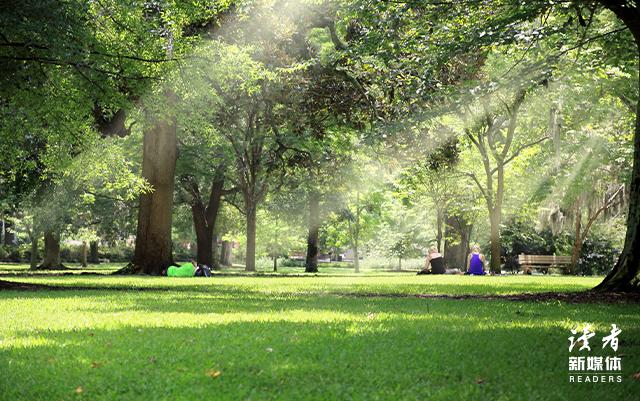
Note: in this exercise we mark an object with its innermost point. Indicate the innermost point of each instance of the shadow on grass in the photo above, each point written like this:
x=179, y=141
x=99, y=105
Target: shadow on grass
x=475, y=290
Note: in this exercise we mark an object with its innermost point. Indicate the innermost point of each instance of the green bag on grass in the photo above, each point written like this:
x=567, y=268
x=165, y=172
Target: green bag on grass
x=186, y=270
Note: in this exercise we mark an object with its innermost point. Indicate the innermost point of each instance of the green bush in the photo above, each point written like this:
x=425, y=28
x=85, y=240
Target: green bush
x=118, y=253
x=598, y=256
x=10, y=253
x=291, y=263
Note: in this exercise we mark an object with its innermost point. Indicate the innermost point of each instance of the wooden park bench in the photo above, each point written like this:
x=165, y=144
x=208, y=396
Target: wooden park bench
x=543, y=262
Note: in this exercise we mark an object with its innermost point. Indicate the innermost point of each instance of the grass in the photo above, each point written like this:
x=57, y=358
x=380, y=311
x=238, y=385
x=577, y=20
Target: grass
x=301, y=338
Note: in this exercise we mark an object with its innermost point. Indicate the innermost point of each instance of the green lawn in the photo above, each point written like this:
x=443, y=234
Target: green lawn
x=292, y=338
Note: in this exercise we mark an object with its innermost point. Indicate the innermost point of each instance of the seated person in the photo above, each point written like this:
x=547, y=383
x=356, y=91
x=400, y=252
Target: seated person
x=435, y=261
x=475, y=262
x=186, y=270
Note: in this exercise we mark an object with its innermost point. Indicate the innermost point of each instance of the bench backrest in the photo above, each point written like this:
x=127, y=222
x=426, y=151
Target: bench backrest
x=544, y=259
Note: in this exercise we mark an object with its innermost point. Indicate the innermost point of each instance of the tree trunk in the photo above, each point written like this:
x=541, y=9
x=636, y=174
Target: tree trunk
x=356, y=257
x=456, y=243
x=204, y=219
x=577, y=242
x=94, y=258
x=495, y=241
x=311, y=263
x=51, y=251
x=204, y=242
x=356, y=235
x=225, y=255
x=275, y=264
x=9, y=236
x=215, y=253
x=153, y=251
x=33, y=262
x=83, y=254
x=626, y=269
x=439, y=222
x=250, y=263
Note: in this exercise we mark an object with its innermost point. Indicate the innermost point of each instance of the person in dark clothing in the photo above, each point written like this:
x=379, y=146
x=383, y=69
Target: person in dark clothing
x=434, y=263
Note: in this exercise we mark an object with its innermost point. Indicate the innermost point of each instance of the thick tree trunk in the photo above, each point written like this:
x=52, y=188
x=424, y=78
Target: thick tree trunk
x=84, y=250
x=153, y=251
x=275, y=264
x=51, y=251
x=626, y=270
x=624, y=274
x=495, y=265
x=250, y=263
x=225, y=255
x=34, y=257
x=311, y=263
x=94, y=258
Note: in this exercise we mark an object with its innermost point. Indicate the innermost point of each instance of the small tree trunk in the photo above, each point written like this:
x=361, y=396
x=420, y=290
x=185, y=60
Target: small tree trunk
x=94, y=258
x=84, y=250
x=439, y=222
x=356, y=258
x=311, y=263
x=51, y=251
x=495, y=242
x=204, y=219
x=33, y=262
x=9, y=235
x=225, y=255
x=356, y=235
x=577, y=242
x=456, y=242
x=275, y=264
x=250, y=263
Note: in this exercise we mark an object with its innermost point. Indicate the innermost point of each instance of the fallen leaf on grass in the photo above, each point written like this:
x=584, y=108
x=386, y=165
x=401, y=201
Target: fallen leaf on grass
x=152, y=359
x=637, y=376
x=479, y=381
x=95, y=365
x=213, y=373
x=79, y=390
x=269, y=349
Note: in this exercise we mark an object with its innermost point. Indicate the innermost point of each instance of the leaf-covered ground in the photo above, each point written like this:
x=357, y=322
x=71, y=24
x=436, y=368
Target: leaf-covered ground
x=329, y=337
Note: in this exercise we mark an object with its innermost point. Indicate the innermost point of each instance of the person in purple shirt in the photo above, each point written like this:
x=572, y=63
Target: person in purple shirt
x=475, y=261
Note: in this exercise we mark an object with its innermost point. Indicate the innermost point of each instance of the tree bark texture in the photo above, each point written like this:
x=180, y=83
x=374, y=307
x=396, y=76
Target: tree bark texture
x=311, y=263
x=153, y=251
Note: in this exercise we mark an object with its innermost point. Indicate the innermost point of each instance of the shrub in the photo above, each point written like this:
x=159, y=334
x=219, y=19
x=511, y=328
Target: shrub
x=598, y=256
